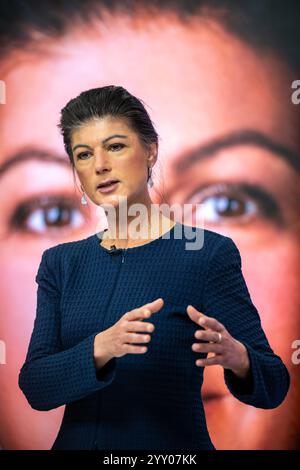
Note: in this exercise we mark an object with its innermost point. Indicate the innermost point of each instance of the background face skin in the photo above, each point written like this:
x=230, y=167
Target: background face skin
x=201, y=84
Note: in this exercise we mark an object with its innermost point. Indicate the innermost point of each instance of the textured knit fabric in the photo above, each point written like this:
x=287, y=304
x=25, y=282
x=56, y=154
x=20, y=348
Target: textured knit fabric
x=147, y=401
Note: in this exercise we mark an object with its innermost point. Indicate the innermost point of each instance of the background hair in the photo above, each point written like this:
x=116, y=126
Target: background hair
x=265, y=24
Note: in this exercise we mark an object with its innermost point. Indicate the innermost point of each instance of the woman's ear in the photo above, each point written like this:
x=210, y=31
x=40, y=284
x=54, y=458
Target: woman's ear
x=153, y=153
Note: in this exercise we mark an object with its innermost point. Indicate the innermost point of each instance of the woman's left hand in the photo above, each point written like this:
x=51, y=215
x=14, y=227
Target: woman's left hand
x=229, y=352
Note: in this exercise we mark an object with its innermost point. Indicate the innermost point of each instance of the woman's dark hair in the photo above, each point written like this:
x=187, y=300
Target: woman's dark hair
x=111, y=100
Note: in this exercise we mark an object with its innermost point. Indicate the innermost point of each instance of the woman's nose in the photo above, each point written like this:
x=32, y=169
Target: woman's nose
x=101, y=160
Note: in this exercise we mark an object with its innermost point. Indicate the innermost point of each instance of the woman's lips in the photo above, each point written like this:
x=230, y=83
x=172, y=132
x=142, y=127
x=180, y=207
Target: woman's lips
x=109, y=188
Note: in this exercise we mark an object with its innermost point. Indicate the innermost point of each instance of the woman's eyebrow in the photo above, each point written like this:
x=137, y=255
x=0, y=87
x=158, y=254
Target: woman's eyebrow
x=234, y=139
x=32, y=154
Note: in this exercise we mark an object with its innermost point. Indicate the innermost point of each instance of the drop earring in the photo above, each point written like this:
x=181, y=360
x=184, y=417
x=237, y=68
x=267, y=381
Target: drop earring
x=83, y=198
x=150, y=180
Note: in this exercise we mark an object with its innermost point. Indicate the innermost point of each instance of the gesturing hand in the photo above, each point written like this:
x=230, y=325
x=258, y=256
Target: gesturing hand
x=229, y=352
x=119, y=339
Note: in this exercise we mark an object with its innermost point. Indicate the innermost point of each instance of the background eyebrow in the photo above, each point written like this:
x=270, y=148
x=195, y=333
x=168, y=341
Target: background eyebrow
x=33, y=154
x=240, y=137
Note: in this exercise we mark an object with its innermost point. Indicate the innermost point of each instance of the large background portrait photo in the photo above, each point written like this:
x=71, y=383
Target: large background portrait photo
x=219, y=82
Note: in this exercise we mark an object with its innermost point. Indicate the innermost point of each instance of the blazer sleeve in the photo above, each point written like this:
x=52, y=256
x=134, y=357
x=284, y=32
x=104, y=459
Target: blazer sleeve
x=227, y=298
x=51, y=376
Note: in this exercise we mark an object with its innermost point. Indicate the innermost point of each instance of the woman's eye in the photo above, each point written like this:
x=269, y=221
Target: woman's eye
x=232, y=203
x=114, y=147
x=48, y=213
x=119, y=146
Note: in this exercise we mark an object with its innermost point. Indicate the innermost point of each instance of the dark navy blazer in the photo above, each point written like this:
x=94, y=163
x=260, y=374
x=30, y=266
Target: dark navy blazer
x=147, y=401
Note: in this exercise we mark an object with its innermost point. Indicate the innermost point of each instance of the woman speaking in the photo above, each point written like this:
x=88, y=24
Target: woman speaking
x=125, y=320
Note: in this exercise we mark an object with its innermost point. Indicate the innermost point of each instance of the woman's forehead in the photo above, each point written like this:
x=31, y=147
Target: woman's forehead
x=101, y=128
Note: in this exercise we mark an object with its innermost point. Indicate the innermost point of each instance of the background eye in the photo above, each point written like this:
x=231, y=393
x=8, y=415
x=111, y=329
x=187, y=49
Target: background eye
x=82, y=155
x=214, y=208
x=48, y=213
x=118, y=145
x=234, y=202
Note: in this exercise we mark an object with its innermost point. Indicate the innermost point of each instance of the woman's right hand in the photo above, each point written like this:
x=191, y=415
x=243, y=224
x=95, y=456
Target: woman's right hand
x=117, y=340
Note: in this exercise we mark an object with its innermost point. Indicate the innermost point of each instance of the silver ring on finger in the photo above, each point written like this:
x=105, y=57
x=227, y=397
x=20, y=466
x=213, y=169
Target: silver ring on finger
x=220, y=337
